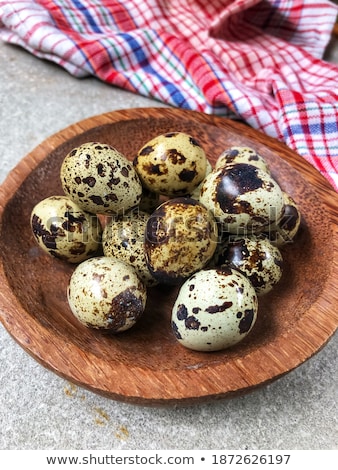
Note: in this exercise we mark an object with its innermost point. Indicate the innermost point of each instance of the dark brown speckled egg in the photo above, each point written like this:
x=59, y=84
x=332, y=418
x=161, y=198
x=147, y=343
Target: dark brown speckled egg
x=123, y=239
x=215, y=309
x=256, y=257
x=107, y=294
x=63, y=230
x=285, y=230
x=172, y=164
x=180, y=239
x=248, y=155
x=100, y=179
x=243, y=198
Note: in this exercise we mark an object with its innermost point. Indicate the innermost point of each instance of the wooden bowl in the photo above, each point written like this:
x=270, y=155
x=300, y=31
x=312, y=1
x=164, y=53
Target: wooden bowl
x=146, y=365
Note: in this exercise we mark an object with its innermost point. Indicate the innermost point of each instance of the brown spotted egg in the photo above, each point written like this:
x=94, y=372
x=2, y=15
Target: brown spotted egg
x=215, y=309
x=180, y=238
x=241, y=155
x=104, y=293
x=63, y=230
x=287, y=228
x=171, y=164
x=243, y=198
x=100, y=179
x=123, y=238
x=256, y=257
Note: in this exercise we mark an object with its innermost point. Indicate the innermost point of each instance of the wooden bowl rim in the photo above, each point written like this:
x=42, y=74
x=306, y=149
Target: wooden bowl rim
x=289, y=350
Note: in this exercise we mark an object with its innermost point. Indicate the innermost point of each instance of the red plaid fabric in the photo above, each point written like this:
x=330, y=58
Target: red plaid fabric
x=258, y=60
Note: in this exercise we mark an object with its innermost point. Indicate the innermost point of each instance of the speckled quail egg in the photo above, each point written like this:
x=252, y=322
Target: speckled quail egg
x=241, y=155
x=100, y=179
x=180, y=238
x=172, y=164
x=287, y=228
x=104, y=293
x=123, y=238
x=215, y=309
x=243, y=198
x=63, y=230
x=255, y=257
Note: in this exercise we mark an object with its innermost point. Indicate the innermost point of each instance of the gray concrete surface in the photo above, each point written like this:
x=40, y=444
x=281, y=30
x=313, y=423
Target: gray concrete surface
x=39, y=410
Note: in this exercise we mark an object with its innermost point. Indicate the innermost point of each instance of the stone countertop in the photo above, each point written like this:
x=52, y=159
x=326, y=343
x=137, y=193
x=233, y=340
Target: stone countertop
x=39, y=410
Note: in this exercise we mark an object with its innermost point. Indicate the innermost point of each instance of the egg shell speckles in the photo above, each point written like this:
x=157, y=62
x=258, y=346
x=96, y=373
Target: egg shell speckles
x=181, y=237
x=235, y=155
x=123, y=238
x=104, y=293
x=100, y=179
x=287, y=227
x=171, y=164
x=63, y=230
x=243, y=198
x=214, y=310
x=256, y=258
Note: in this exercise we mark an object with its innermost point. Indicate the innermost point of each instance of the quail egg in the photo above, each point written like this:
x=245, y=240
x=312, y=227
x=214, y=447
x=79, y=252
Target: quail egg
x=180, y=238
x=243, y=198
x=256, y=258
x=100, y=179
x=62, y=229
x=241, y=155
x=123, y=238
x=287, y=228
x=215, y=309
x=104, y=293
x=171, y=164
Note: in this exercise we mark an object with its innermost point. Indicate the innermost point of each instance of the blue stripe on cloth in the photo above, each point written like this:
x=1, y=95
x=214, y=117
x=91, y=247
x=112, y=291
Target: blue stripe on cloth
x=63, y=10
x=175, y=94
x=315, y=128
x=331, y=127
x=92, y=23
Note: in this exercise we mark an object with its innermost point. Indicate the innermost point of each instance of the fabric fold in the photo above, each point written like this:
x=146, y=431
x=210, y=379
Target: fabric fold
x=255, y=60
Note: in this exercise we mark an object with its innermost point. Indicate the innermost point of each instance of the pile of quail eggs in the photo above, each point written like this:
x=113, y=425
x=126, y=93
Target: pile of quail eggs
x=168, y=217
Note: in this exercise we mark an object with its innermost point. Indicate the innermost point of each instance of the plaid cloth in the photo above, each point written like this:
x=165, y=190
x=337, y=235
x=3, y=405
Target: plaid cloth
x=258, y=60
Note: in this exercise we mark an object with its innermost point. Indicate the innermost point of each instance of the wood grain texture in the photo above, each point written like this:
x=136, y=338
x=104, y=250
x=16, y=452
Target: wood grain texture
x=146, y=365
x=335, y=30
